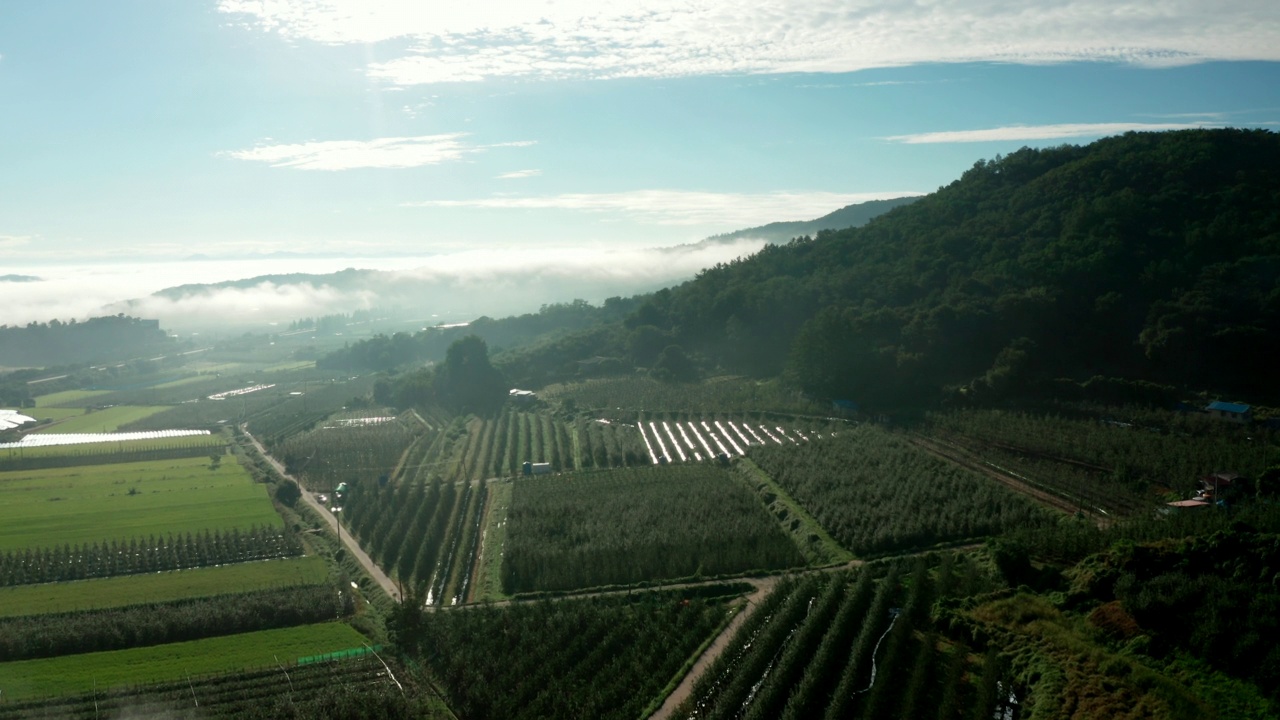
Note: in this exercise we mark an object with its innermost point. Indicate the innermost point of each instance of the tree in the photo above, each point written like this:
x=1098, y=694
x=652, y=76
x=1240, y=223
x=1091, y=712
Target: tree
x=288, y=493
x=467, y=382
x=674, y=365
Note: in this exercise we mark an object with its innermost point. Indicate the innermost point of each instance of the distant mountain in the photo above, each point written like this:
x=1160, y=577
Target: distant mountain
x=19, y=278
x=526, y=280
x=850, y=216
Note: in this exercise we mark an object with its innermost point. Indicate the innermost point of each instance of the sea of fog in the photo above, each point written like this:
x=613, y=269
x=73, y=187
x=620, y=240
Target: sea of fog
x=450, y=286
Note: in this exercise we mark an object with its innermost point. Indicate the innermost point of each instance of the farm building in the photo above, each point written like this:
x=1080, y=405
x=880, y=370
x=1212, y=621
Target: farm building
x=1234, y=412
x=1219, y=485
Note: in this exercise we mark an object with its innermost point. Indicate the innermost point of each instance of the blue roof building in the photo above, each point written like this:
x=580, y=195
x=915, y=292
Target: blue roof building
x=1235, y=412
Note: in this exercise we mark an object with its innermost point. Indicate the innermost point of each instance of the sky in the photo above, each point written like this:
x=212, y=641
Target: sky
x=157, y=131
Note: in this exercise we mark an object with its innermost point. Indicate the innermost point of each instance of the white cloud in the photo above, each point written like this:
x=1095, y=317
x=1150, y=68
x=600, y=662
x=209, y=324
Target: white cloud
x=459, y=42
x=388, y=152
x=13, y=241
x=1040, y=132
x=682, y=207
x=518, y=174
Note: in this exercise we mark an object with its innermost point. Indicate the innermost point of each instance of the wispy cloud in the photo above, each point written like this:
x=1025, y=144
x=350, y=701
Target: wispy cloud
x=389, y=152
x=462, y=42
x=13, y=241
x=1040, y=132
x=681, y=207
x=518, y=174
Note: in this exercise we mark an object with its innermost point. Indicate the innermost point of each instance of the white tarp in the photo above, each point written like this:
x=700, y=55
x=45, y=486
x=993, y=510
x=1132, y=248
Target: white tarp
x=48, y=439
x=10, y=419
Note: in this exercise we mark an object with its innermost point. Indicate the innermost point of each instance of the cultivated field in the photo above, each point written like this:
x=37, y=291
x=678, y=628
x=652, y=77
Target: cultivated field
x=99, y=593
x=103, y=421
x=82, y=673
x=876, y=493
x=635, y=525
x=90, y=504
x=61, y=399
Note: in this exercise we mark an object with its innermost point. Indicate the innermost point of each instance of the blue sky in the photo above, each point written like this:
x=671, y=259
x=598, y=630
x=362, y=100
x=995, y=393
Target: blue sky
x=155, y=130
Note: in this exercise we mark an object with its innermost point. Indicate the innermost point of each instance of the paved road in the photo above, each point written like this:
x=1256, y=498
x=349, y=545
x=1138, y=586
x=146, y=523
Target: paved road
x=352, y=546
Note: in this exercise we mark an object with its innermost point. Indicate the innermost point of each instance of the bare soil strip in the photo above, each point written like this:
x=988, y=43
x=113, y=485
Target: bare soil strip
x=717, y=647
x=1046, y=499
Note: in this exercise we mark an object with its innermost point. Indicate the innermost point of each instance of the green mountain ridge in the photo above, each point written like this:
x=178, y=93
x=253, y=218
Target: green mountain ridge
x=1152, y=257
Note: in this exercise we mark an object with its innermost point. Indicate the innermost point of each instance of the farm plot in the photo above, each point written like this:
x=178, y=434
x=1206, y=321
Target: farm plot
x=356, y=687
x=102, y=421
x=89, y=504
x=21, y=456
x=426, y=534
x=603, y=657
x=68, y=398
x=848, y=644
x=876, y=493
x=637, y=524
x=685, y=438
x=100, y=593
x=716, y=395
x=147, y=623
x=333, y=454
x=499, y=446
x=286, y=410
x=83, y=673
x=1100, y=463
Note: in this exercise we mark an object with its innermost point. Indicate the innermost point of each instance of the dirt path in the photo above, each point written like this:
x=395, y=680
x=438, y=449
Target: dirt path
x=717, y=647
x=349, y=542
x=1046, y=499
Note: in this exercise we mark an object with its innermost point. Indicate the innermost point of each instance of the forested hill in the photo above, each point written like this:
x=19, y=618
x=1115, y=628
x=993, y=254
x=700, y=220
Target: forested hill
x=1152, y=257
x=99, y=339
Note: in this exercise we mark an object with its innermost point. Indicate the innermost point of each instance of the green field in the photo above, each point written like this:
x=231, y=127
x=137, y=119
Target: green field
x=84, y=673
x=66, y=396
x=88, y=504
x=101, y=421
x=290, y=365
x=160, y=587
x=183, y=381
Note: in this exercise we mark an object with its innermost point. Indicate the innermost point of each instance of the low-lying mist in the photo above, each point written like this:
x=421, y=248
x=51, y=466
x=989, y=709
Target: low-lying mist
x=224, y=295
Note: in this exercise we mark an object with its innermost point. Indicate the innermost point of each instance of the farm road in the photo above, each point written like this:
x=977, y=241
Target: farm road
x=352, y=546
x=764, y=586
x=957, y=457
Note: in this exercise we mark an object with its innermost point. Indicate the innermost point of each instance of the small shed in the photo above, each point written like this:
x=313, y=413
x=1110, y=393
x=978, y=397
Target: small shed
x=1233, y=412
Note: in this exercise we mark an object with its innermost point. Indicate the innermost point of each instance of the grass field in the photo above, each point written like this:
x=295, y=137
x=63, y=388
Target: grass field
x=107, y=420
x=160, y=587
x=84, y=673
x=489, y=571
x=66, y=396
x=87, y=504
